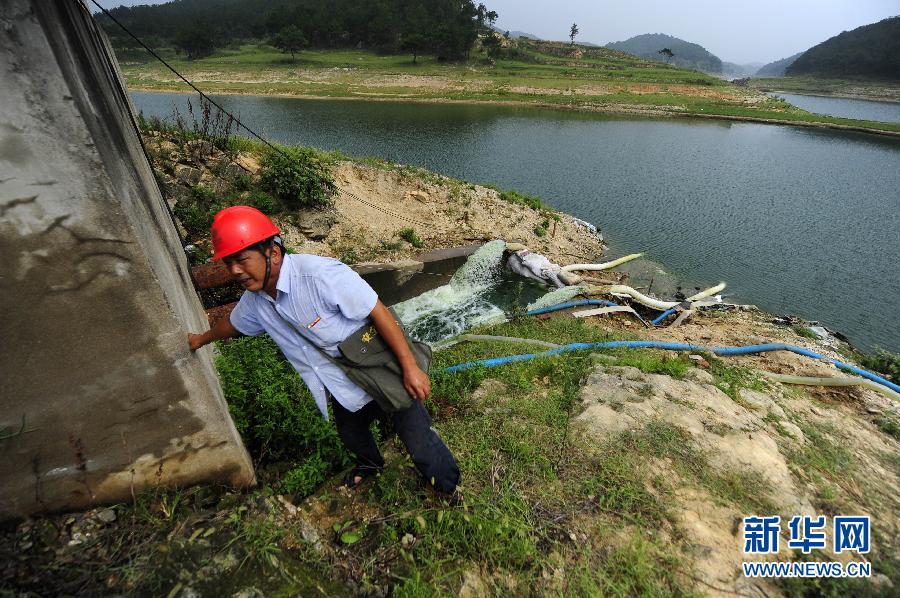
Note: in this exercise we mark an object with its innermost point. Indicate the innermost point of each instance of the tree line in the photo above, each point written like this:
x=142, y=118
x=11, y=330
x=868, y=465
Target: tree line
x=444, y=28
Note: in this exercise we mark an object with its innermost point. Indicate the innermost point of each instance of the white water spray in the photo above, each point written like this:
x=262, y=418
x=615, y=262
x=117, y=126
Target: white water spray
x=455, y=307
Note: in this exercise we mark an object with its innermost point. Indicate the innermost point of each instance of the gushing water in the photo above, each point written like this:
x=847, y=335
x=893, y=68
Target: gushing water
x=480, y=292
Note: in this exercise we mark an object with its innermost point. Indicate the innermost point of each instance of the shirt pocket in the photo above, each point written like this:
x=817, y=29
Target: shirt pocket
x=325, y=328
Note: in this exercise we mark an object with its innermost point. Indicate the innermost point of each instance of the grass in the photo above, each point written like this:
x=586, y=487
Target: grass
x=731, y=379
x=601, y=80
x=409, y=235
x=805, y=332
x=889, y=424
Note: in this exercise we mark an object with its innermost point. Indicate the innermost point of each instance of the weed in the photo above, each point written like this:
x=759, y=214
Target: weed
x=298, y=177
x=409, y=235
x=883, y=362
x=263, y=202
x=241, y=182
x=805, y=332
x=888, y=424
x=654, y=362
x=828, y=587
x=821, y=456
x=274, y=412
x=731, y=379
x=524, y=199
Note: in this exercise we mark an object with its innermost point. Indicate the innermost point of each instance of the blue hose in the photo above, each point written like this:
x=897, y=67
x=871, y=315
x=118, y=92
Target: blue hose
x=722, y=351
x=568, y=304
x=663, y=316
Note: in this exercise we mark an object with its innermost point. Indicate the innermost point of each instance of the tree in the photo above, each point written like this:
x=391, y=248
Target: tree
x=573, y=32
x=196, y=41
x=667, y=53
x=290, y=39
x=414, y=43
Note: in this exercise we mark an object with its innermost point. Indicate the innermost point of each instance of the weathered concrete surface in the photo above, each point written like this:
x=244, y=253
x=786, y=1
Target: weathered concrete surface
x=100, y=394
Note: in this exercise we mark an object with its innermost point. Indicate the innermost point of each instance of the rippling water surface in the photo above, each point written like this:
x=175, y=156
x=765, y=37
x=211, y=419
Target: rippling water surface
x=796, y=220
x=888, y=112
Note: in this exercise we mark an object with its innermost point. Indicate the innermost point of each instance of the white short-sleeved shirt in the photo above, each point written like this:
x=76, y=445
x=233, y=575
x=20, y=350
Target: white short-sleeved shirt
x=326, y=301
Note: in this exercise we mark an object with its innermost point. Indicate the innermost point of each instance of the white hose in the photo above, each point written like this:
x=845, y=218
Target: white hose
x=603, y=266
x=827, y=381
x=710, y=291
x=620, y=289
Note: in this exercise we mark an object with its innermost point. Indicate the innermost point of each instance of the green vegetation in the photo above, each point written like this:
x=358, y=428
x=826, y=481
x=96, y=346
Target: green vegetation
x=822, y=454
x=731, y=379
x=778, y=67
x=681, y=53
x=805, y=332
x=298, y=177
x=889, y=424
x=884, y=362
x=275, y=414
x=527, y=72
x=835, y=587
x=446, y=28
x=409, y=235
x=867, y=52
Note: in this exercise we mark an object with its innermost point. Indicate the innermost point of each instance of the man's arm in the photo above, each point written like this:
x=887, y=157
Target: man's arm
x=414, y=379
x=222, y=330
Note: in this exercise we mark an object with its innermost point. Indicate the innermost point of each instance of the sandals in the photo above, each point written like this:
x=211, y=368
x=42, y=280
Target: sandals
x=360, y=471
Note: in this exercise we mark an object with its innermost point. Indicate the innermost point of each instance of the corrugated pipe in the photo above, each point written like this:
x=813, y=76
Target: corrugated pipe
x=722, y=351
x=828, y=381
x=603, y=266
x=620, y=289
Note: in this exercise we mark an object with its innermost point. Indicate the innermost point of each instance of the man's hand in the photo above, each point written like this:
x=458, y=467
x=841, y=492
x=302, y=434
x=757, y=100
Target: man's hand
x=416, y=383
x=195, y=341
x=220, y=331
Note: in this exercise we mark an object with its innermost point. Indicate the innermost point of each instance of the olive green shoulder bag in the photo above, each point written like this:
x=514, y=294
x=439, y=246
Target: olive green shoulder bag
x=372, y=365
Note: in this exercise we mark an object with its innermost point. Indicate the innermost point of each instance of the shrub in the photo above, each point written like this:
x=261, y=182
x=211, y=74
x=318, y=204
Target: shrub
x=299, y=178
x=274, y=412
x=883, y=362
x=263, y=202
x=409, y=235
x=241, y=182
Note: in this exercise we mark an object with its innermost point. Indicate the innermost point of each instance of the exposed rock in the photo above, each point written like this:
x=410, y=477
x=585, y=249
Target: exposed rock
x=106, y=515
x=419, y=196
x=248, y=163
x=473, y=585
x=187, y=175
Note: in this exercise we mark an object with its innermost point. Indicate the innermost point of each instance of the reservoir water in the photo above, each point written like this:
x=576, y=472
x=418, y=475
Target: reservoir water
x=888, y=112
x=796, y=220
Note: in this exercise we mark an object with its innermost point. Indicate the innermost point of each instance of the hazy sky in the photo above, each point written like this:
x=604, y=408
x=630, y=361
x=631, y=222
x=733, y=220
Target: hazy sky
x=737, y=31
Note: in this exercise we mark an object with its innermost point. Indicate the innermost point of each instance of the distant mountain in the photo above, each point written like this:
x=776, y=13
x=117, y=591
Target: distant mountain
x=867, y=52
x=687, y=55
x=733, y=70
x=777, y=68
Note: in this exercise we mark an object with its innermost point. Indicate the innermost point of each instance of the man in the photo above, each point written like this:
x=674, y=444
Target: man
x=302, y=299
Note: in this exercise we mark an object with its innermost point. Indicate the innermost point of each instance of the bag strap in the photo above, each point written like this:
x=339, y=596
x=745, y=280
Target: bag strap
x=307, y=339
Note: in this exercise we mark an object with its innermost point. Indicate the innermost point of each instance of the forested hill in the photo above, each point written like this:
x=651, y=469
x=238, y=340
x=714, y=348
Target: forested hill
x=686, y=54
x=867, y=52
x=445, y=28
x=777, y=68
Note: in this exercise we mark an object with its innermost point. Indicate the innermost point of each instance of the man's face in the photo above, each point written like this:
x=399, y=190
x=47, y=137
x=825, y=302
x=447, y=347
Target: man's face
x=248, y=267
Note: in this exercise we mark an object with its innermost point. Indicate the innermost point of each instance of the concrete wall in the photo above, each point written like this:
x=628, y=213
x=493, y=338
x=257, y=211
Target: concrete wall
x=100, y=395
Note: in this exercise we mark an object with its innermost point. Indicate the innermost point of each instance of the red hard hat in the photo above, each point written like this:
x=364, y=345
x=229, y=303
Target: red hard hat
x=237, y=228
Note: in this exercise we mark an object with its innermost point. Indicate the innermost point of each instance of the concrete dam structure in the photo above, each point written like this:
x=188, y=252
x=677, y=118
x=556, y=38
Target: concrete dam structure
x=101, y=396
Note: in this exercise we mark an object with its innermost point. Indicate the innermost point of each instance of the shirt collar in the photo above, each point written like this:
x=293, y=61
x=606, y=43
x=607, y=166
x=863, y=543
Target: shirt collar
x=284, y=280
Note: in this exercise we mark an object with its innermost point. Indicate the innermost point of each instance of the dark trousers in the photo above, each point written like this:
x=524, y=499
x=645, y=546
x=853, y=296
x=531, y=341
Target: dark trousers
x=429, y=453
